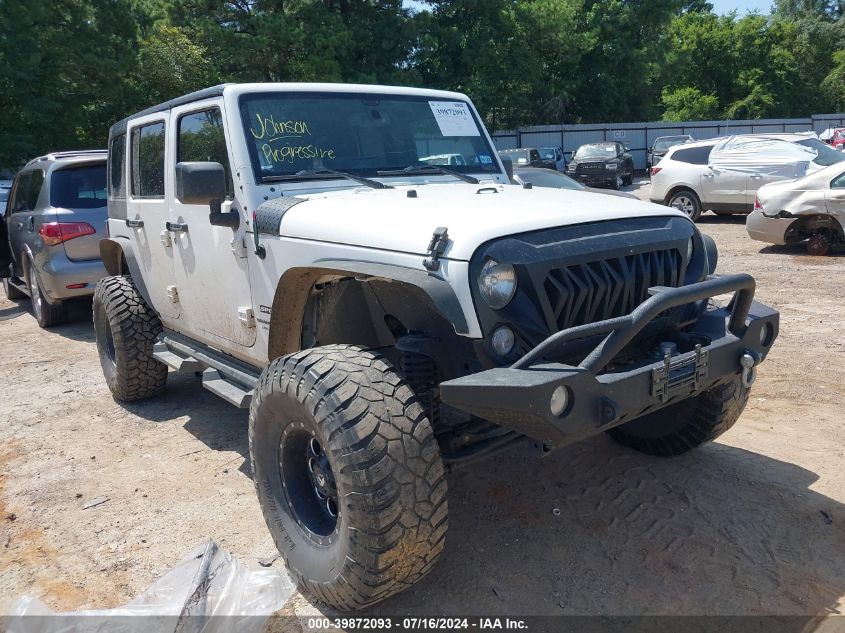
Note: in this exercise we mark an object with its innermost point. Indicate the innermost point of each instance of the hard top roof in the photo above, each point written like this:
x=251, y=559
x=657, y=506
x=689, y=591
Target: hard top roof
x=240, y=88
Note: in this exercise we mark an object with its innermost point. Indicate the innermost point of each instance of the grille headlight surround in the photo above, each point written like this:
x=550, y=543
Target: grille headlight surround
x=497, y=283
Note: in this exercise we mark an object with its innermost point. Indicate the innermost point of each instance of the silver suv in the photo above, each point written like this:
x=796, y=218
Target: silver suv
x=689, y=179
x=55, y=218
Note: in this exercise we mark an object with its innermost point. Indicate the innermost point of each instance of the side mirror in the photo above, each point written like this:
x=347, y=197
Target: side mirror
x=205, y=183
x=507, y=163
x=626, y=148
x=200, y=183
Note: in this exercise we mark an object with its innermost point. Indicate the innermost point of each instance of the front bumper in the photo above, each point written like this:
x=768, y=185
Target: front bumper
x=519, y=397
x=595, y=179
x=767, y=229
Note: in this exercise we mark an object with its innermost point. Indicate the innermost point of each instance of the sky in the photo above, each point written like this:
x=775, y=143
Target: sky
x=719, y=6
x=741, y=6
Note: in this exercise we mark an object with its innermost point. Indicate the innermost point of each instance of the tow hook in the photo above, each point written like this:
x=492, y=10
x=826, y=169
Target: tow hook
x=749, y=362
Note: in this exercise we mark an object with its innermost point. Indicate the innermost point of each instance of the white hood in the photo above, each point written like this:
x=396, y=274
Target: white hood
x=389, y=219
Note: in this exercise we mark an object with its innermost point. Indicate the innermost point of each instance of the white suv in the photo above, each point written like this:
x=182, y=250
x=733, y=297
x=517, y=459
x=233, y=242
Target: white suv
x=385, y=319
x=686, y=180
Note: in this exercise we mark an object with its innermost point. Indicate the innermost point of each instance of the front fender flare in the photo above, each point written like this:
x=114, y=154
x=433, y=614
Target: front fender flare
x=293, y=290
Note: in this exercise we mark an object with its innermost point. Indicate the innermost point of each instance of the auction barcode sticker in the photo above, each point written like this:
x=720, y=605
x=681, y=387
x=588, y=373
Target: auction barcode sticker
x=454, y=118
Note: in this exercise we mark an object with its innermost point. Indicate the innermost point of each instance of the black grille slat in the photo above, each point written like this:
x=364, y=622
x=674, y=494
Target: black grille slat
x=604, y=289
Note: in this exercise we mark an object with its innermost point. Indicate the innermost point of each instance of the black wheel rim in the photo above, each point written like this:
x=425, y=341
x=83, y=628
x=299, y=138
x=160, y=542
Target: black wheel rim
x=309, y=483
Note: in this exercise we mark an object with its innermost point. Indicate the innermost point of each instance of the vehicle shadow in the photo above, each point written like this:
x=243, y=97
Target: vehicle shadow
x=799, y=250
x=596, y=529
x=712, y=218
x=212, y=421
x=14, y=311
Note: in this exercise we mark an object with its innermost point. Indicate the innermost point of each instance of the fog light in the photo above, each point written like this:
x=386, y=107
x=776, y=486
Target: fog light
x=560, y=401
x=767, y=333
x=503, y=340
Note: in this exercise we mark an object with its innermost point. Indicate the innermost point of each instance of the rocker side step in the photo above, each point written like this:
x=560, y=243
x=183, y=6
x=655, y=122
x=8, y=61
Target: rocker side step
x=229, y=391
x=177, y=363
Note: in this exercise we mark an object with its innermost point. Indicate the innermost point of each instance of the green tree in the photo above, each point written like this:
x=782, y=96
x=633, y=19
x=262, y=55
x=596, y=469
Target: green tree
x=171, y=64
x=58, y=64
x=689, y=104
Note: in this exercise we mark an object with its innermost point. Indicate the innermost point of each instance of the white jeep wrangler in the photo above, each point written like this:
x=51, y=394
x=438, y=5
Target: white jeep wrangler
x=386, y=319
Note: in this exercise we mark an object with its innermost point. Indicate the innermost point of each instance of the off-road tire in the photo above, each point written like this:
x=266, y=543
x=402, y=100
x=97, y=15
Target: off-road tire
x=46, y=314
x=629, y=179
x=685, y=425
x=617, y=182
x=391, y=519
x=12, y=293
x=126, y=329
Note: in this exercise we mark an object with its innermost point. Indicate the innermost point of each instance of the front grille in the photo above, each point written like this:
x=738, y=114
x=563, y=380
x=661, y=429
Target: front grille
x=598, y=290
x=590, y=168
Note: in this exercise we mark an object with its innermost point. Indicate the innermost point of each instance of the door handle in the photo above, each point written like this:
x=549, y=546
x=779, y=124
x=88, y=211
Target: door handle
x=134, y=224
x=707, y=175
x=756, y=177
x=176, y=227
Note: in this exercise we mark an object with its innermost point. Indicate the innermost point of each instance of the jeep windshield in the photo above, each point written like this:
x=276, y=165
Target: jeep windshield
x=361, y=134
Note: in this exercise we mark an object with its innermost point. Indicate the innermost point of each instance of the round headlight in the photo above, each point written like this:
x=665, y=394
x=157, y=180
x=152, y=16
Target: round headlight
x=497, y=283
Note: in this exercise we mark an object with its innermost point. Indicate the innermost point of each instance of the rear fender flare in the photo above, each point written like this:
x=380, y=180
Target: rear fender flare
x=119, y=259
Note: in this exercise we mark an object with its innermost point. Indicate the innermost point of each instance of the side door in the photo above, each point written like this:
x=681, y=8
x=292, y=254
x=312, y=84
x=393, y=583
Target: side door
x=724, y=188
x=147, y=210
x=834, y=198
x=560, y=162
x=23, y=235
x=211, y=269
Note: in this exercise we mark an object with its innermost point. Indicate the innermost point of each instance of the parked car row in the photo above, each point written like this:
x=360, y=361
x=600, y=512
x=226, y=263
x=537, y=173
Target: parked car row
x=723, y=175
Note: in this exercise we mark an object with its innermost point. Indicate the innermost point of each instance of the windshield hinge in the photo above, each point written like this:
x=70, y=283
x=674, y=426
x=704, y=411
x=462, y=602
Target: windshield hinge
x=436, y=247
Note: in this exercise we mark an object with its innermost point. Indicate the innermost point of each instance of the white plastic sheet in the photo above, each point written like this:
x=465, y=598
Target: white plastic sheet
x=767, y=157
x=208, y=592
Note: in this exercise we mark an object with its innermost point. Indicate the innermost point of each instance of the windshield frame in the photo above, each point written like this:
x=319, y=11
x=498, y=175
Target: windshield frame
x=493, y=170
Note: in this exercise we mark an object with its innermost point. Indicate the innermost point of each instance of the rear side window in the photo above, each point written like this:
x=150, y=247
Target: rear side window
x=201, y=139
x=117, y=173
x=34, y=189
x=838, y=182
x=25, y=193
x=19, y=191
x=693, y=155
x=148, y=161
x=79, y=187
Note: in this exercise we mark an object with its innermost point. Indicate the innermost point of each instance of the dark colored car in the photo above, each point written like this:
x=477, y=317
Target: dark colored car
x=662, y=144
x=605, y=164
x=525, y=157
x=539, y=177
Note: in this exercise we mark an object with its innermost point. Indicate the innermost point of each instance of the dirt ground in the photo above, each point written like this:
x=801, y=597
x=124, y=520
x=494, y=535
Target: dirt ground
x=752, y=524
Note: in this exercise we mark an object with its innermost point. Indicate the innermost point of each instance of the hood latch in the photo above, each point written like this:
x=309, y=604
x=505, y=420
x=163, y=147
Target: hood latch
x=436, y=247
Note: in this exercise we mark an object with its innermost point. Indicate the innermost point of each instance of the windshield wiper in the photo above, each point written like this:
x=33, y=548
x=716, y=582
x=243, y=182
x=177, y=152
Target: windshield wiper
x=412, y=170
x=309, y=174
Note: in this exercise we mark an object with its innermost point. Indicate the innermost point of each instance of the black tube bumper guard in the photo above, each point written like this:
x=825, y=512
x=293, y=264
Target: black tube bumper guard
x=558, y=404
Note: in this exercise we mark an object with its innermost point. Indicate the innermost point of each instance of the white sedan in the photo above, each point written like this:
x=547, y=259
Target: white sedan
x=810, y=209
